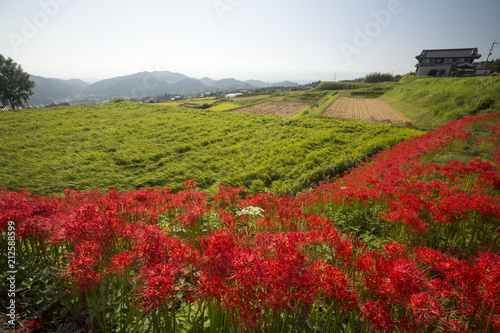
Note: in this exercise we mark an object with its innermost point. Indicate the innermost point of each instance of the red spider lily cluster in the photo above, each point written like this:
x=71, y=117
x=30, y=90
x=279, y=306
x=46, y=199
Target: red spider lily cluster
x=291, y=264
x=425, y=196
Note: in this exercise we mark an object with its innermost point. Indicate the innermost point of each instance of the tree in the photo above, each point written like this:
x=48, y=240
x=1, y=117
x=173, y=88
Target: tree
x=378, y=77
x=15, y=84
x=492, y=65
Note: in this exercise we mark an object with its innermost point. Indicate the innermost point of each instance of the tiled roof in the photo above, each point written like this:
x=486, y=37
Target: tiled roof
x=449, y=53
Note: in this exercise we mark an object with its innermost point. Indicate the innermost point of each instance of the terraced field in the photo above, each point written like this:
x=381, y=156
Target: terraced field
x=368, y=109
x=285, y=109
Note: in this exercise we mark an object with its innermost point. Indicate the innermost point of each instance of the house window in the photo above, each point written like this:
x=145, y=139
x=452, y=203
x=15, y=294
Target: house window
x=439, y=60
x=448, y=60
x=427, y=61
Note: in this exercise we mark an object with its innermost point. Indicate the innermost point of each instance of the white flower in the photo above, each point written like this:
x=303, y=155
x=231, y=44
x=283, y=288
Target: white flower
x=251, y=211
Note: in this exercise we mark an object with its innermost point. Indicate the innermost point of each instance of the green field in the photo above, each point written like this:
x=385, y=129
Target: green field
x=127, y=145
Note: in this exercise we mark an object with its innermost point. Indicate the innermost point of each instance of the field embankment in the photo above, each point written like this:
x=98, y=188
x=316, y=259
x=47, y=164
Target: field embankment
x=284, y=109
x=433, y=101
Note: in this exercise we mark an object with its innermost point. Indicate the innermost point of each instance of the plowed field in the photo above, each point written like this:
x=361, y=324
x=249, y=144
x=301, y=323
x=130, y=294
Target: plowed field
x=285, y=109
x=369, y=109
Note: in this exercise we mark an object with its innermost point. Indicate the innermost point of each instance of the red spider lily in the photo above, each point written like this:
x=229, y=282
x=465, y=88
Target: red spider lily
x=327, y=281
x=426, y=309
x=488, y=267
x=33, y=325
x=157, y=247
x=229, y=220
x=395, y=280
x=84, y=268
x=379, y=316
x=159, y=284
x=122, y=261
x=192, y=215
x=228, y=197
x=366, y=263
x=395, y=251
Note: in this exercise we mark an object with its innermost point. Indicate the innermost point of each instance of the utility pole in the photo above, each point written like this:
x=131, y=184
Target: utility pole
x=489, y=52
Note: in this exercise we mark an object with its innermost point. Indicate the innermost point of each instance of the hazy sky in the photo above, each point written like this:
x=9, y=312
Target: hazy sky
x=269, y=40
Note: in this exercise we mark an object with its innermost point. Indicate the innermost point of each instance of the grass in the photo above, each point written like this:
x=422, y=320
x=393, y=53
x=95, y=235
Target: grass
x=317, y=109
x=438, y=100
x=126, y=146
x=225, y=107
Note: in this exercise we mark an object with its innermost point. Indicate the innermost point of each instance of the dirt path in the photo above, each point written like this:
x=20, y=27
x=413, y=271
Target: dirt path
x=249, y=98
x=368, y=109
x=285, y=109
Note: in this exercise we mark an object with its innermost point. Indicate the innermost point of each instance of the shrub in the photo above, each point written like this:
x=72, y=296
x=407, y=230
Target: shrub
x=432, y=72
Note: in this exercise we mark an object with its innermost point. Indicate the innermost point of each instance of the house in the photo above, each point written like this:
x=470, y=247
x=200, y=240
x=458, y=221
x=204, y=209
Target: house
x=447, y=61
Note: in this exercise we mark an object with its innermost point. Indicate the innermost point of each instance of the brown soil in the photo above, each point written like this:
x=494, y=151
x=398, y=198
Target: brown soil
x=368, y=109
x=249, y=97
x=285, y=109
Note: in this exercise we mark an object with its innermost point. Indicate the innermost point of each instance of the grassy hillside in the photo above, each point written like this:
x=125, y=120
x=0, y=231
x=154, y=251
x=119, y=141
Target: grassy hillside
x=438, y=100
x=126, y=146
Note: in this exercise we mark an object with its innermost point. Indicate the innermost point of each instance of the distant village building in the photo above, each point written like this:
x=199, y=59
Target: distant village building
x=233, y=95
x=447, y=61
x=3, y=108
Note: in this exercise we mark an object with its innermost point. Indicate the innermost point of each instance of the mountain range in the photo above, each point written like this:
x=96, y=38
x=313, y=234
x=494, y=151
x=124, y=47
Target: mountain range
x=137, y=85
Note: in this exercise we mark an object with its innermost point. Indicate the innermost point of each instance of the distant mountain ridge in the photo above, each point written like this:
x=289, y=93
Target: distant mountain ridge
x=157, y=83
x=138, y=85
x=48, y=91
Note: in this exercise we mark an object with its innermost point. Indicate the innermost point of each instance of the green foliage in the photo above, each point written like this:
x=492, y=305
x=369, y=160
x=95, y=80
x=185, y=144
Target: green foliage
x=376, y=77
x=127, y=146
x=492, y=65
x=311, y=95
x=15, y=84
x=318, y=108
x=373, y=90
x=341, y=85
x=432, y=72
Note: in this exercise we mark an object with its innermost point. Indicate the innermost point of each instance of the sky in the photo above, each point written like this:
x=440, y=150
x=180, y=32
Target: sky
x=269, y=40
